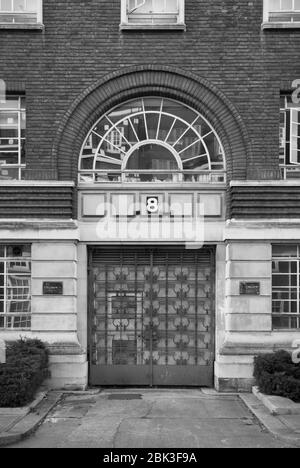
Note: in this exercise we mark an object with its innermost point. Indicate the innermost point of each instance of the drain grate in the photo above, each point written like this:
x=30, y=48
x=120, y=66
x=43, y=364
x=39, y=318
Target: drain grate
x=125, y=396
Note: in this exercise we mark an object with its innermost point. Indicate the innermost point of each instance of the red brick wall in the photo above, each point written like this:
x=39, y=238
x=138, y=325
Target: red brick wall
x=81, y=44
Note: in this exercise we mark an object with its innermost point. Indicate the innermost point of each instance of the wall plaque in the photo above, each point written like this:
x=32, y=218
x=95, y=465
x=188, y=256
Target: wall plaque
x=250, y=289
x=51, y=288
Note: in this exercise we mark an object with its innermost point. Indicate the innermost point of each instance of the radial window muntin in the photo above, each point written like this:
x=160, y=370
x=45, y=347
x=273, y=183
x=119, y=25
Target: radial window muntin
x=152, y=121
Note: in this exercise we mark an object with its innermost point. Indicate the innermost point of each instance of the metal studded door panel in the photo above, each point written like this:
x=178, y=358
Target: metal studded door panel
x=151, y=317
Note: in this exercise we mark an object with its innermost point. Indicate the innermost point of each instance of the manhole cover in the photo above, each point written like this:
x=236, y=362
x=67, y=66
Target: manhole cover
x=125, y=396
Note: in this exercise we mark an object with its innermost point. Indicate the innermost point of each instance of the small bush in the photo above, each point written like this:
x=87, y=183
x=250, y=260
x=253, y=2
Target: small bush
x=24, y=371
x=276, y=374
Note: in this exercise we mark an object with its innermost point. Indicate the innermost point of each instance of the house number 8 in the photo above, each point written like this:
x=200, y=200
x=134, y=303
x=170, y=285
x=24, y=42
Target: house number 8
x=152, y=204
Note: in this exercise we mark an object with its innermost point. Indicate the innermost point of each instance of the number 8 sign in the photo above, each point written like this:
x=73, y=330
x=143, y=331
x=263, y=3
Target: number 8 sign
x=152, y=204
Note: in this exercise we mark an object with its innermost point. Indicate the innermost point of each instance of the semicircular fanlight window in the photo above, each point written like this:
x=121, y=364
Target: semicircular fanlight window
x=151, y=135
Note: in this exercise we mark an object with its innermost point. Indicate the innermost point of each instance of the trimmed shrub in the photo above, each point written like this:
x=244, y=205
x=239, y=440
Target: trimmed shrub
x=25, y=369
x=276, y=374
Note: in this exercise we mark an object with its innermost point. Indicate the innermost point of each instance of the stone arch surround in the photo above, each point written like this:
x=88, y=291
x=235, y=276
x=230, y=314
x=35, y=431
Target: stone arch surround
x=133, y=82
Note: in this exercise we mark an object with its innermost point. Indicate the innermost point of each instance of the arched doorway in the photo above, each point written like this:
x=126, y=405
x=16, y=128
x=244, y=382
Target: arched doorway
x=151, y=307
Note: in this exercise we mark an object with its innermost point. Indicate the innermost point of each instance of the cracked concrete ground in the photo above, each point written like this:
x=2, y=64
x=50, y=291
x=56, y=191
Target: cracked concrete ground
x=151, y=419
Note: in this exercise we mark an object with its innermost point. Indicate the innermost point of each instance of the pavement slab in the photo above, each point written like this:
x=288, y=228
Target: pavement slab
x=292, y=421
x=6, y=421
x=158, y=419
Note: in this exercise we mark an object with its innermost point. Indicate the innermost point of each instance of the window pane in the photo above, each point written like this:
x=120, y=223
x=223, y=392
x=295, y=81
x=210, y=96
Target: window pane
x=10, y=102
x=172, y=5
x=18, y=287
x=31, y=5
x=8, y=119
x=23, y=321
x=165, y=126
x=8, y=145
x=284, y=294
x=18, y=250
x=152, y=125
x=284, y=251
x=284, y=280
x=152, y=157
x=176, y=109
x=281, y=322
x=274, y=5
x=284, y=267
x=9, y=174
x=284, y=307
x=144, y=7
x=189, y=137
x=13, y=307
x=176, y=131
x=6, y=5
x=125, y=110
x=138, y=124
x=8, y=133
x=23, y=152
x=19, y=5
x=152, y=7
x=8, y=158
x=286, y=4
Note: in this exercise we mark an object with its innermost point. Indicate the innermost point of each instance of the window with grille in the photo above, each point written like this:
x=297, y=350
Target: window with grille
x=285, y=287
x=282, y=11
x=12, y=137
x=15, y=286
x=289, y=137
x=20, y=11
x=152, y=12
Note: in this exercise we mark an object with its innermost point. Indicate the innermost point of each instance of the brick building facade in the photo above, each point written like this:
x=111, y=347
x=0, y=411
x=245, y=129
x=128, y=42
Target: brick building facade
x=113, y=92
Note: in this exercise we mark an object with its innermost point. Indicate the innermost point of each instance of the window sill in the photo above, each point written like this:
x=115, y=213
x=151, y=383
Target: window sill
x=287, y=25
x=36, y=183
x=151, y=27
x=33, y=26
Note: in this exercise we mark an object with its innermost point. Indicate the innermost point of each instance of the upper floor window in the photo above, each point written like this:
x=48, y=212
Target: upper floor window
x=12, y=137
x=20, y=11
x=152, y=13
x=282, y=11
x=152, y=139
x=289, y=137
